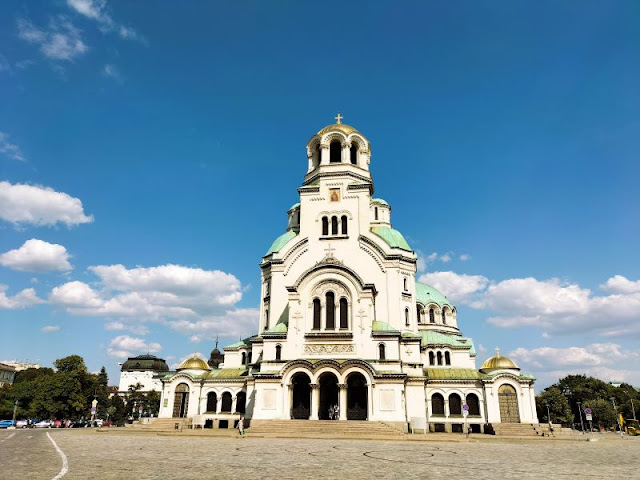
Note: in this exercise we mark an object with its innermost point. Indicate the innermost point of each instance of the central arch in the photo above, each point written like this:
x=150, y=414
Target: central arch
x=301, y=396
x=357, y=397
x=508, y=400
x=328, y=394
x=181, y=401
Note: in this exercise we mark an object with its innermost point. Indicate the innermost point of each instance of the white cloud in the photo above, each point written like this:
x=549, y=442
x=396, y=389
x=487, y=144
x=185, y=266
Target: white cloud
x=124, y=346
x=464, y=257
x=238, y=322
x=37, y=256
x=606, y=361
x=39, y=205
x=60, y=41
x=457, y=287
x=112, y=72
x=97, y=10
x=620, y=284
x=23, y=299
x=138, y=329
x=7, y=148
x=50, y=328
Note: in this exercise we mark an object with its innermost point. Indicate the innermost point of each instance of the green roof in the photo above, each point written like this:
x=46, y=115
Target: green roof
x=453, y=374
x=226, y=373
x=392, y=237
x=295, y=205
x=438, y=338
x=277, y=328
x=380, y=201
x=280, y=242
x=241, y=343
x=426, y=294
x=383, y=327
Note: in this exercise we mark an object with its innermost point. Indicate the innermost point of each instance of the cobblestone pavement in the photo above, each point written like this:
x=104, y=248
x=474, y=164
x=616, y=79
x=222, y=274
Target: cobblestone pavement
x=128, y=455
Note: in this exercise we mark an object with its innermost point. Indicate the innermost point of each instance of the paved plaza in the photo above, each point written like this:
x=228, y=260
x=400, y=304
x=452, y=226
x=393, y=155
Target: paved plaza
x=91, y=454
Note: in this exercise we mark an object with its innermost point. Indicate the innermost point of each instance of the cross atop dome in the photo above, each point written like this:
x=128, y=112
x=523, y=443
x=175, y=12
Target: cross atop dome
x=338, y=118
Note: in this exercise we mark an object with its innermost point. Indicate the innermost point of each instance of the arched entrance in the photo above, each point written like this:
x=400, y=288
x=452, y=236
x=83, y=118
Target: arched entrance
x=300, y=396
x=181, y=401
x=357, y=397
x=212, y=402
x=508, y=399
x=241, y=400
x=328, y=394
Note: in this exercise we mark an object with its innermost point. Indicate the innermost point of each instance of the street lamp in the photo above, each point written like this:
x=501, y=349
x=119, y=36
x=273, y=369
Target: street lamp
x=615, y=407
x=548, y=414
x=567, y=393
x=580, y=413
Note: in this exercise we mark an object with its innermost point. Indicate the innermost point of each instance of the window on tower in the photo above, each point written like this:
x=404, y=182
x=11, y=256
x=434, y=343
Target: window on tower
x=432, y=358
x=331, y=311
x=325, y=226
x=344, y=313
x=353, y=154
x=444, y=316
x=344, y=224
x=406, y=317
x=439, y=356
x=447, y=358
x=432, y=316
x=334, y=225
x=278, y=352
x=381, y=352
x=375, y=212
x=335, y=152
x=316, y=314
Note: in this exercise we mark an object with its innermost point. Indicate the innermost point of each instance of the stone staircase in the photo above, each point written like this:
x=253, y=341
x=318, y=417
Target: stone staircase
x=166, y=424
x=525, y=429
x=323, y=429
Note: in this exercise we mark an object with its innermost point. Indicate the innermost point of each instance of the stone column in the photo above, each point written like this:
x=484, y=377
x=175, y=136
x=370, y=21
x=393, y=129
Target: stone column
x=233, y=403
x=218, y=403
x=324, y=154
x=287, y=400
x=315, y=401
x=342, y=403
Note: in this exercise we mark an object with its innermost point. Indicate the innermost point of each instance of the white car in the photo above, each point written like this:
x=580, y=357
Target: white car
x=22, y=423
x=44, y=424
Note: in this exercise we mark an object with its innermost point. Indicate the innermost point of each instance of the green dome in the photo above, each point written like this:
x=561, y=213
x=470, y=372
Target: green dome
x=380, y=201
x=280, y=242
x=426, y=294
x=145, y=363
x=392, y=237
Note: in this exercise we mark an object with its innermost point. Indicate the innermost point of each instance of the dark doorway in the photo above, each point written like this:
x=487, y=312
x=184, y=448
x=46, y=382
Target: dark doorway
x=357, y=397
x=300, y=397
x=241, y=400
x=328, y=394
x=226, y=402
x=181, y=401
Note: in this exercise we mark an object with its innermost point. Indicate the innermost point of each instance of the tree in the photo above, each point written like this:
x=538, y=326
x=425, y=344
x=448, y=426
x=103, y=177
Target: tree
x=603, y=412
x=117, y=409
x=559, y=408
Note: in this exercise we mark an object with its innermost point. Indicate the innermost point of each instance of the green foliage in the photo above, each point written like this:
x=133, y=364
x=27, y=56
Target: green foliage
x=603, y=412
x=117, y=409
x=559, y=408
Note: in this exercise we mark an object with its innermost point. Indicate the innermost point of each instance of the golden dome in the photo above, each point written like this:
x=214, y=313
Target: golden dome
x=194, y=363
x=339, y=127
x=498, y=362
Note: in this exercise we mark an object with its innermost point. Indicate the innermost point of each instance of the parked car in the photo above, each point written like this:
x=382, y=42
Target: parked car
x=7, y=423
x=44, y=424
x=106, y=424
x=22, y=423
x=57, y=424
x=79, y=424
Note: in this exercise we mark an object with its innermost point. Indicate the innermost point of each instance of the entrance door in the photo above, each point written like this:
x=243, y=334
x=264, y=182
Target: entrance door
x=508, y=399
x=357, y=397
x=181, y=401
x=328, y=395
x=300, y=396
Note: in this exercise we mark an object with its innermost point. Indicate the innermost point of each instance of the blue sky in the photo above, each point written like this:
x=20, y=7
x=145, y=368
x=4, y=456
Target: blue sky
x=149, y=152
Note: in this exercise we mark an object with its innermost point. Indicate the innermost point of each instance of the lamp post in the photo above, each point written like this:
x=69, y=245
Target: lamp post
x=548, y=414
x=567, y=393
x=580, y=413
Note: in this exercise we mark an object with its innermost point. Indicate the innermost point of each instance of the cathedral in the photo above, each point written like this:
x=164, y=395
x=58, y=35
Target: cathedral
x=345, y=330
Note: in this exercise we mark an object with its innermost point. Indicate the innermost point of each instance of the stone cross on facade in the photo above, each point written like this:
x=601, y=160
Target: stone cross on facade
x=296, y=316
x=361, y=315
x=329, y=251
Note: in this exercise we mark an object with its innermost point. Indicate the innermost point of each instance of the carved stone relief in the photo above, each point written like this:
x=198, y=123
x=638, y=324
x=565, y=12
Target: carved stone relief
x=328, y=348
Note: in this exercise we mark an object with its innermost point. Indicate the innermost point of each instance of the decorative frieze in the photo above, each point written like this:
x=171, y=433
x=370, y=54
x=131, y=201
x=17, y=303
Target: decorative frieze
x=328, y=348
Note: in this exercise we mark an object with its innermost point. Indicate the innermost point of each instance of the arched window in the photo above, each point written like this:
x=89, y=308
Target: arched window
x=335, y=152
x=406, y=317
x=316, y=314
x=318, y=155
x=405, y=284
x=473, y=403
x=325, y=226
x=278, y=352
x=344, y=225
x=241, y=400
x=244, y=358
x=381, y=352
x=444, y=316
x=344, y=313
x=226, y=402
x=334, y=225
x=212, y=402
x=375, y=211
x=419, y=313
x=432, y=358
x=447, y=358
x=432, y=316
x=455, y=404
x=353, y=154
x=266, y=319
x=331, y=311
x=439, y=358
x=437, y=404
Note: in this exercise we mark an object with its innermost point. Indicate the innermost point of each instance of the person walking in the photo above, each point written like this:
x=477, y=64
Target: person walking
x=241, y=426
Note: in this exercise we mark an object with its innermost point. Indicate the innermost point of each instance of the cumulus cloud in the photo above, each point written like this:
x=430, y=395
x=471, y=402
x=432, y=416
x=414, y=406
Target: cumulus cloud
x=61, y=40
x=37, y=205
x=553, y=305
x=457, y=287
x=97, y=10
x=124, y=346
x=464, y=257
x=189, y=300
x=37, y=256
x=50, y=328
x=606, y=361
x=7, y=148
x=23, y=299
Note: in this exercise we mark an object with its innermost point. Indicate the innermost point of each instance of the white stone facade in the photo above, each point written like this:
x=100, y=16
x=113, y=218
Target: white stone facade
x=343, y=322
